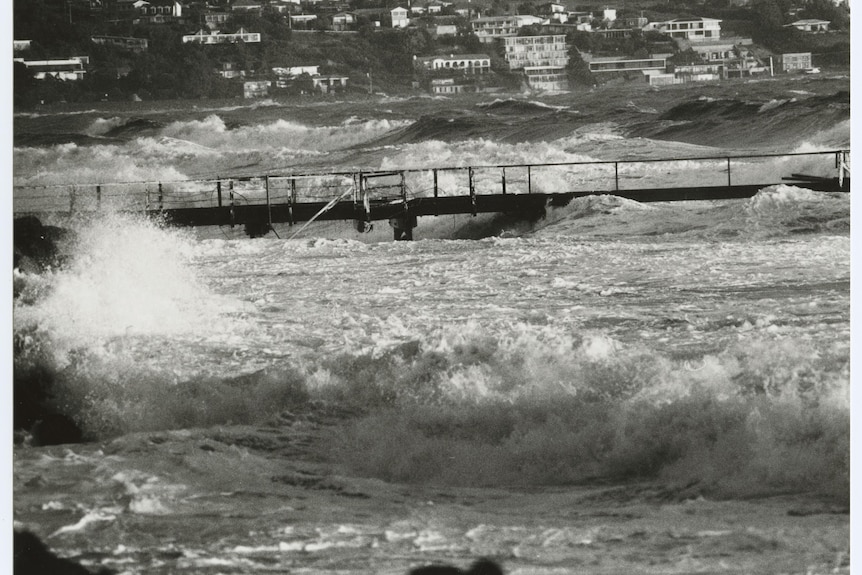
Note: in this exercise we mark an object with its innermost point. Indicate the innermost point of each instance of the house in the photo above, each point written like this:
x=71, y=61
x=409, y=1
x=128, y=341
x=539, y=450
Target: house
x=215, y=20
x=466, y=10
x=656, y=78
x=434, y=7
x=691, y=29
x=564, y=28
x=718, y=50
x=285, y=77
x=445, y=30
x=581, y=17
x=230, y=70
x=246, y=6
x=216, y=37
x=123, y=42
x=71, y=69
x=698, y=72
x=294, y=71
x=343, y=21
x=159, y=11
x=491, y=27
x=551, y=8
x=303, y=20
x=608, y=15
x=441, y=86
x=623, y=64
x=400, y=17
x=810, y=25
x=282, y=6
x=635, y=22
x=327, y=83
x=468, y=63
x=617, y=33
x=20, y=45
x=793, y=62
x=256, y=89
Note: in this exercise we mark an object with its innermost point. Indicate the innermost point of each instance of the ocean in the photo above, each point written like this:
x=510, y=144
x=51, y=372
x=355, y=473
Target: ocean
x=617, y=387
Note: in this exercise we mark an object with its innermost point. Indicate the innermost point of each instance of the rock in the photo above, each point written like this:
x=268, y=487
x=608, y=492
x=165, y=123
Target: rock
x=55, y=429
x=32, y=557
x=480, y=567
x=36, y=246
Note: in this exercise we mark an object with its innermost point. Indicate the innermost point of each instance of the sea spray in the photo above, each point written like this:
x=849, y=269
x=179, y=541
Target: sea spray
x=126, y=285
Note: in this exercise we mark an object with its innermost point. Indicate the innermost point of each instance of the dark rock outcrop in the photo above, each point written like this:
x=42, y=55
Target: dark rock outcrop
x=37, y=246
x=480, y=567
x=32, y=557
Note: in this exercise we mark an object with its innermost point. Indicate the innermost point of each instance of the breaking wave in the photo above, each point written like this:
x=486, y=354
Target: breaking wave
x=771, y=122
x=775, y=211
x=519, y=106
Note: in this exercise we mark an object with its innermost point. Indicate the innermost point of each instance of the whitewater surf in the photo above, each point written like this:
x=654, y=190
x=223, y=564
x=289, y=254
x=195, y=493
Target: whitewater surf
x=618, y=387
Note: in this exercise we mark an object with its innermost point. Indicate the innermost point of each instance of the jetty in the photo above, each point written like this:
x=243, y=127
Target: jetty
x=403, y=195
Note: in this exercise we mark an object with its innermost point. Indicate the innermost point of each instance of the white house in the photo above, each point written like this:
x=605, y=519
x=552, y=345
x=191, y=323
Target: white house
x=796, y=61
x=343, y=21
x=691, y=29
x=469, y=63
x=19, y=45
x=400, y=18
x=256, y=89
x=326, y=83
x=214, y=20
x=810, y=25
x=216, y=37
x=446, y=30
x=246, y=6
x=124, y=42
x=294, y=71
x=491, y=27
x=302, y=19
x=65, y=69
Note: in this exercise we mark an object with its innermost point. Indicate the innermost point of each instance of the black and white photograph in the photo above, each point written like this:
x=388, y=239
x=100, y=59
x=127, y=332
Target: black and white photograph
x=429, y=287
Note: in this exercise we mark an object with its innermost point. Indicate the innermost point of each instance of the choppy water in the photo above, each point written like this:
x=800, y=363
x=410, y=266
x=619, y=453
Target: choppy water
x=702, y=342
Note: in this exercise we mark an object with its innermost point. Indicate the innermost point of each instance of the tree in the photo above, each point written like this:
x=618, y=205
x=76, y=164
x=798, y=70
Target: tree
x=768, y=15
x=685, y=58
x=578, y=70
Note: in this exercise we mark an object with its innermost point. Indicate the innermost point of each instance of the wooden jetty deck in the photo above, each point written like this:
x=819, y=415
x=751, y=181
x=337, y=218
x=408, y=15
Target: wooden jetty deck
x=400, y=196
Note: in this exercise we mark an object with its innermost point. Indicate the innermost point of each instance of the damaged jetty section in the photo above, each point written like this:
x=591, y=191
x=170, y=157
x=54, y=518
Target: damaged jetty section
x=401, y=196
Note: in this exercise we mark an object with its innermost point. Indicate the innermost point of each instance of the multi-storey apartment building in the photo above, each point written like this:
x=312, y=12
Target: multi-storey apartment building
x=523, y=51
x=542, y=58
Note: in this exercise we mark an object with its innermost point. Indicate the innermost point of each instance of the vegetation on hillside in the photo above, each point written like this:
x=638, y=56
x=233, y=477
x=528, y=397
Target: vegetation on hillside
x=172, y=69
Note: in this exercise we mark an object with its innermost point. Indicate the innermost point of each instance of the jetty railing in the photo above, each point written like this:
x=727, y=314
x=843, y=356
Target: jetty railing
x=367, y=187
